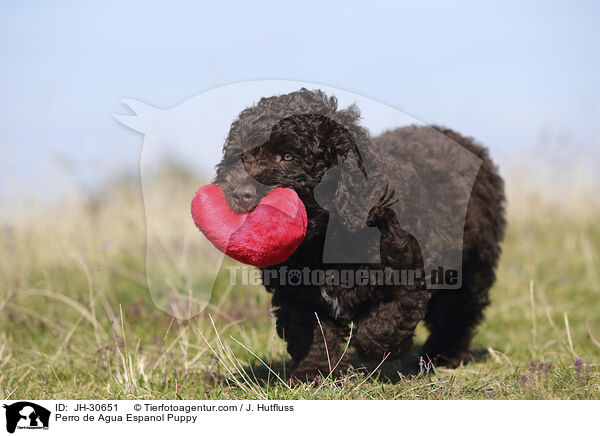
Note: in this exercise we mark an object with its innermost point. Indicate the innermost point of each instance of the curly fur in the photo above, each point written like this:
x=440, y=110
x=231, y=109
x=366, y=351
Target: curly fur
x=315, y=320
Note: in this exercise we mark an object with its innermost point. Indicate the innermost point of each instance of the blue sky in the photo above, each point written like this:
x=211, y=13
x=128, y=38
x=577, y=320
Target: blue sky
x=522, y=77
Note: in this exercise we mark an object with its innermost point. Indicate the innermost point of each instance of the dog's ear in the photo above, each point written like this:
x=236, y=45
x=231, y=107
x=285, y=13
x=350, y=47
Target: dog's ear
x=355, y=194
x=349, y=188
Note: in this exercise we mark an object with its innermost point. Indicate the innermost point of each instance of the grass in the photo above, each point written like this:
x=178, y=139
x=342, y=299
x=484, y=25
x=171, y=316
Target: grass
x=77, y=320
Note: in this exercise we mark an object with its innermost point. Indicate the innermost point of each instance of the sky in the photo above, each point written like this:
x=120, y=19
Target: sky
x=521, y=77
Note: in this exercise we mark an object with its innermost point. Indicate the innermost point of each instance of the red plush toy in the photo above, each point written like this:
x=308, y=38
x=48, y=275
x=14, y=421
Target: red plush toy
x=266, y=236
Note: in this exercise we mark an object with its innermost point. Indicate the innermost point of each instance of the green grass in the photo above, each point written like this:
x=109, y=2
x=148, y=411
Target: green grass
x=77, y=320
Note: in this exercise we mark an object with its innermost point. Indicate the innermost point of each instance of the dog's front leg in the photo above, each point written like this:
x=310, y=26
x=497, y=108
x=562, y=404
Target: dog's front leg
x=314, y=340
x=325, y=357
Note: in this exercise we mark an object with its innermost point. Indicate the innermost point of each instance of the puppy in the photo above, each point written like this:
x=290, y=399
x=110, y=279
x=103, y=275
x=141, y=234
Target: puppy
x=397, y=202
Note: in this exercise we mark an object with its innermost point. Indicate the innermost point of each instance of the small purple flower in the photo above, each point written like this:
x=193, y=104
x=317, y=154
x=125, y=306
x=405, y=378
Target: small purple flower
x=578, y=366
x=523, y=379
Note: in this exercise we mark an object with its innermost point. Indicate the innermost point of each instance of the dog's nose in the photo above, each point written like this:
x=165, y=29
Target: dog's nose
x=244, y=192
x=245, y=195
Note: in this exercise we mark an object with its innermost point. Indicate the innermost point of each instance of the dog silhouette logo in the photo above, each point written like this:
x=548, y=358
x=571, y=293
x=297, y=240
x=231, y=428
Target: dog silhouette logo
x=26, y=415
x=428, y=203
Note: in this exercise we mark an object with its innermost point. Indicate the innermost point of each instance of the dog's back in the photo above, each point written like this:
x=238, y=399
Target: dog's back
x=415, y=155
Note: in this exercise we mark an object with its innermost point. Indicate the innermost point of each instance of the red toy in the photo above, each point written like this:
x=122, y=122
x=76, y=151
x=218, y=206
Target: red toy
x=266, y=236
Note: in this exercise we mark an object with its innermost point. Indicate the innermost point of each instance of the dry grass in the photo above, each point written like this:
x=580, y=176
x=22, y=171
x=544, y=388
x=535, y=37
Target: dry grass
x=78, y=320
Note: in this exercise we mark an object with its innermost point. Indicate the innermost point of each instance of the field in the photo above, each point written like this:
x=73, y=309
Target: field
x=77, y=320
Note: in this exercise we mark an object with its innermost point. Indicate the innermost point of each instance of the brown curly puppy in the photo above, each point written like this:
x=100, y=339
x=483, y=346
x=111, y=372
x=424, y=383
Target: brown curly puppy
x=299, y=141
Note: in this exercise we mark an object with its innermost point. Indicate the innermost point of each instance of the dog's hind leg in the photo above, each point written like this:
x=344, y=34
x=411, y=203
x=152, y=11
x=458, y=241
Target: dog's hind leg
x=454, y=315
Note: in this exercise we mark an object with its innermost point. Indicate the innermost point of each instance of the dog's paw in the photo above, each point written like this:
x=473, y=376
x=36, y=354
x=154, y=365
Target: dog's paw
x=315, y=375
x=445, y=359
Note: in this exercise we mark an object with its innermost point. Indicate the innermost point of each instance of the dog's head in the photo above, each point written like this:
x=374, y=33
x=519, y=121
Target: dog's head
x=298, y=141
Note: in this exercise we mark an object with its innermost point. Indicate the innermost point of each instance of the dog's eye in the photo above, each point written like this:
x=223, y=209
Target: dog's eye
x=287, y=157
